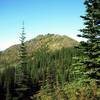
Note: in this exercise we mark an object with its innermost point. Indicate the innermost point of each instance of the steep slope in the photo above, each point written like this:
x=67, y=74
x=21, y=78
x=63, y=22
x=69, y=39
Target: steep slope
x=53, y=42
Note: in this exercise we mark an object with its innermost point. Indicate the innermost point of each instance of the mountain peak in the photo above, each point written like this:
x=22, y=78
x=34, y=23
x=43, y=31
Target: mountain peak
x=52, y=41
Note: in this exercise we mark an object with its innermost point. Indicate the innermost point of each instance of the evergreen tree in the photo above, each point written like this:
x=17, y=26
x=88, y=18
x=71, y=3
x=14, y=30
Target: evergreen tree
x=91, y=48
x=23, y=80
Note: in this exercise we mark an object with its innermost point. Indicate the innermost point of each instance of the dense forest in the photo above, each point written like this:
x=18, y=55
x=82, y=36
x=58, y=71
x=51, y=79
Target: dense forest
x=54, y=67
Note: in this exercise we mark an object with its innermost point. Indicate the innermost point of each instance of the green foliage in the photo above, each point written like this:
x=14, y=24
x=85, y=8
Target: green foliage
x=23, y=79
x=46, y=69
x=56, y=62
x=7, y=83
x=79, y=90
x=53, y=42
x=42, y=66
x=91, y=48
x=51, y=76
x=52, y=68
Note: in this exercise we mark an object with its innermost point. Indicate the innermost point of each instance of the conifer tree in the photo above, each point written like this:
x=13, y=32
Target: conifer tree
x=23, y=80
x=91, y=48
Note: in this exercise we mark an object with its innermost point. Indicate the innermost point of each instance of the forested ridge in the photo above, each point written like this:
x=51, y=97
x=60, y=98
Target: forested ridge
x=54, y=67
x=42, y=63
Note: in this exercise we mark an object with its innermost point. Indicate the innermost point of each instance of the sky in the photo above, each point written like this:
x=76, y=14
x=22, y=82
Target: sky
x=40, y=17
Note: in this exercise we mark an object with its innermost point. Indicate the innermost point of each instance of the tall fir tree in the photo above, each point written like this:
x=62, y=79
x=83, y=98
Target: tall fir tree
x=91, y=47
x=24, y=82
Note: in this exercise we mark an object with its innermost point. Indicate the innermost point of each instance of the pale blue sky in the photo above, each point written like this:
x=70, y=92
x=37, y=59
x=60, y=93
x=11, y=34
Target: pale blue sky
x=40, y=17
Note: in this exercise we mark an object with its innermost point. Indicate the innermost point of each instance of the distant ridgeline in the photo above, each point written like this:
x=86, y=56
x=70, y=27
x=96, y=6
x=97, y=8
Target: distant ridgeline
x=51, y=41
x=49, y=60
x=50, y=72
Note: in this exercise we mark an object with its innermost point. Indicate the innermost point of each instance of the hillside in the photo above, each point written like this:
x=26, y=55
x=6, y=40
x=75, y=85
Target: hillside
x=53, y=42
x=50, y=72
